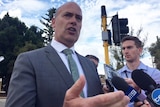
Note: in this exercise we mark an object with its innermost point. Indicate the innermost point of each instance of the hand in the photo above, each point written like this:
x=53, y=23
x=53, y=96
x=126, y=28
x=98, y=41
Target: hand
x=142, y=104
x=105, y=89
x=132, y=84
x=113, y=99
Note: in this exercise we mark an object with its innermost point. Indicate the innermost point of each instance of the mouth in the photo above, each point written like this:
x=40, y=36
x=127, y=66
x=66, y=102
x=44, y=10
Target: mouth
x=127, y=56
x=72, y=30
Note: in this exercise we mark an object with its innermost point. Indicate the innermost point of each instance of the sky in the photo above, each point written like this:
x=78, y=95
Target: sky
x=140, y=13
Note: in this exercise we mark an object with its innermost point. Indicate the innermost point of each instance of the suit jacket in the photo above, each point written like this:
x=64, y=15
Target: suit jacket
x=40, y=79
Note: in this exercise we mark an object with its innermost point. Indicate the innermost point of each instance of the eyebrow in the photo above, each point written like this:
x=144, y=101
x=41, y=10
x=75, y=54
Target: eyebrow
x=128, y=47
x=74, y=13
x=77, y=16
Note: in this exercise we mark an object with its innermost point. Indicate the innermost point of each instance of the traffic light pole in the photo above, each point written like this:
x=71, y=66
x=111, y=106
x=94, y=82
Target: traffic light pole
x=105, y=45
x=105, y=38
x=104, y=34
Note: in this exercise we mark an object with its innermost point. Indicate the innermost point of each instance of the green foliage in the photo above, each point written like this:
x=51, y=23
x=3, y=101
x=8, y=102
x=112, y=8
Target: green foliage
x=155, y=52
x=16, y=37
x=47, y=22
x=117, y=54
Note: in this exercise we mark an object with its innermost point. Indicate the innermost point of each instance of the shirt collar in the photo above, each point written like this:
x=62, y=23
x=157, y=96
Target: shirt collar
x=125, y=68
x=59, y=47
x=141, y=66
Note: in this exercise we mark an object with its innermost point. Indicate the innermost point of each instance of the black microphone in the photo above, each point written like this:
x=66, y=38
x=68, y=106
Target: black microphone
x=145, y=82
x=121, y=84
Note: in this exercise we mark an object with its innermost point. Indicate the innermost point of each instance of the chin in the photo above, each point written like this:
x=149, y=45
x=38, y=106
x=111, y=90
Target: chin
x=129, y=61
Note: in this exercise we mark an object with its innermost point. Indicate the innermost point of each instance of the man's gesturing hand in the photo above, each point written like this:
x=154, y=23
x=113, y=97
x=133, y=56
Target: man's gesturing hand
x=73, y=99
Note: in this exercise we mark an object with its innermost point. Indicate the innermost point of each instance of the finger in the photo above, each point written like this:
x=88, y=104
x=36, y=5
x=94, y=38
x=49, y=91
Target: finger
x=113, y=99
x=138, y=104
x=146, y=104
x=105, y=89
x=132, y=83
x=129, y=81
x=76, y=89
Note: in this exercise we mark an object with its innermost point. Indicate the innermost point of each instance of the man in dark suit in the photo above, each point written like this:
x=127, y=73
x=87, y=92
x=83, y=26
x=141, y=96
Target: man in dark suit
x=41, y=77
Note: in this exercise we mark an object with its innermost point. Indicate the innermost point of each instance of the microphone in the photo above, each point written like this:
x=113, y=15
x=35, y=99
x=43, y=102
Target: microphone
x=121, y=84
x=145, y=82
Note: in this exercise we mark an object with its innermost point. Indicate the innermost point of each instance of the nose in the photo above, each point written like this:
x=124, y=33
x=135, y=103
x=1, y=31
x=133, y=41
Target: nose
x=73, y=21
x=125, y=50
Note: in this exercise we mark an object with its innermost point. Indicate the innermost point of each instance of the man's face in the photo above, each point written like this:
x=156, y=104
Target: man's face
x=130, y=51
x=67, y=24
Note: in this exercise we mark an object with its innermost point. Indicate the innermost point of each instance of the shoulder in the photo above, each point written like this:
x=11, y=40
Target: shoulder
x=154, y=73
x=148, y=68
x=36, y=51
x=36, y=54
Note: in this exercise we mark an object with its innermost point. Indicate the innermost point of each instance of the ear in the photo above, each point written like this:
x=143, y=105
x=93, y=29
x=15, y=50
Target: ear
x=53, y=23
x=140, y=50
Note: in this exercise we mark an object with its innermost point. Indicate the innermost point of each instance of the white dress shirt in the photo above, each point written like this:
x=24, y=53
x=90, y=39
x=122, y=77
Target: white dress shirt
x=59, y=47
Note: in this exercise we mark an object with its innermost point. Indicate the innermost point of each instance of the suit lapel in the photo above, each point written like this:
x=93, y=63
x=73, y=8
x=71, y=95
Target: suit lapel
x=93, y=86
x=59, y=65
x=86, y=71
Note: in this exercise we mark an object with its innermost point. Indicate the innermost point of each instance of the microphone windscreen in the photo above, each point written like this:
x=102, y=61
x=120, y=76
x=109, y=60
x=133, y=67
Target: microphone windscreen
x=119, y=83
x=142, y=79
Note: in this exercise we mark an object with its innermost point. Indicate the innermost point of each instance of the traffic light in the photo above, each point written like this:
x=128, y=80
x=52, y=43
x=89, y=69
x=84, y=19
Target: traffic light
x=119, y=29
x=115, y=30
x=109, y=37
x=123, y=26
x=124, y=30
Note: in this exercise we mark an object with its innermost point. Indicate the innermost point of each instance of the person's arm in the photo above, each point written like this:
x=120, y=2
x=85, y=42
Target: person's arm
x=112, y=99
x=22, y=88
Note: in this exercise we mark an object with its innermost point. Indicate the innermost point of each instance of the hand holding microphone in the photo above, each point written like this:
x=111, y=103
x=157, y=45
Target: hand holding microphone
x=145, y=82
x=133, y=84
x=121, y=84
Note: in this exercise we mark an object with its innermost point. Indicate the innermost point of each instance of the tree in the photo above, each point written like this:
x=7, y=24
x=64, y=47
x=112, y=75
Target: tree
x=154, y=51
x=47, y=21
x=15, y=38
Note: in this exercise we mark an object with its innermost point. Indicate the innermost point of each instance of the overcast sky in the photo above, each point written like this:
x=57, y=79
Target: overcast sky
x=140, y=13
